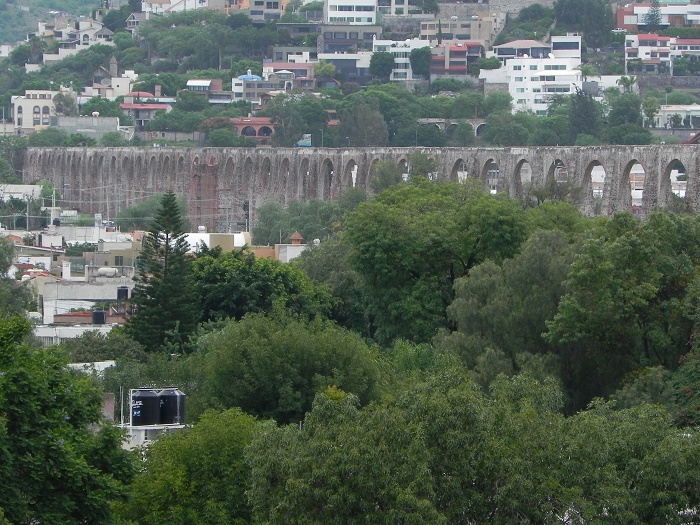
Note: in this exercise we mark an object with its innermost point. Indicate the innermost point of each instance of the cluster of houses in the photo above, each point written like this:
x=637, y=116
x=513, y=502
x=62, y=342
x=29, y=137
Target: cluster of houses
x=91, y=291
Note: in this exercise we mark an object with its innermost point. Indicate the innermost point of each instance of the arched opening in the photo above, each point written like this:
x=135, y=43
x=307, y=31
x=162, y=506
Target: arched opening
x=327, y=176
x=459, y=171
x=523, y=176
x=350, y=174
x=635, y=173
x=593, y=190
x=152, y=175
x=403, y=168
x=264, y=132
x=303, y=184
x=480, y=129
x=265, y=175
x=248, y=131
x=491, y=175
x=229, y=170
x=282, y=181
x=673, y=185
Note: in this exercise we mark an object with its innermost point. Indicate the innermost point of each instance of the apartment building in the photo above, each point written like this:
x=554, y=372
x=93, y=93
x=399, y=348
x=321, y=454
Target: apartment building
x=402, y=55
x=678, y=13
x=352, y=12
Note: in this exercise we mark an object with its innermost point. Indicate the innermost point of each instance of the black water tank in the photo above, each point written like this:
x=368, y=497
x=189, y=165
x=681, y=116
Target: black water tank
x=172, y=407
x=122, y=293
x=99, y=317
x=145, y=407
x=56, y=222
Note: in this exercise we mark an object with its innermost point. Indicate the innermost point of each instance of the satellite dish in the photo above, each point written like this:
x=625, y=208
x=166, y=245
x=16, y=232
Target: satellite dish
x=550, y=55
x=525, y=56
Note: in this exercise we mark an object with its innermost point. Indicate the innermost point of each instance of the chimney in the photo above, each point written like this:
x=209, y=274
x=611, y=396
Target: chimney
x=157, y=90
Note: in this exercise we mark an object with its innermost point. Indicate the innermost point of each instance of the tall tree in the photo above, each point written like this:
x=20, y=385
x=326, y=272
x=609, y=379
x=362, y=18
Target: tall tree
x=362, y=123
x=196, y=476
x=163, y=297
x=420, y=61
x=381, y=65
x=652, y=18
x=60, y=463
x=584, y=116
x=13, y=298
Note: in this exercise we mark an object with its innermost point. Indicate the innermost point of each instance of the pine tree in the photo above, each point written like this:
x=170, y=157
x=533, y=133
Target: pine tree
x=652, y=20
x=164, y=301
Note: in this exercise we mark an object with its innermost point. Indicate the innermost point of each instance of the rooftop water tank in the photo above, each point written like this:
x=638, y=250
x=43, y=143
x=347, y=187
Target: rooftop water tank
x=145, y=407
x=172, y=407
x=107, y=272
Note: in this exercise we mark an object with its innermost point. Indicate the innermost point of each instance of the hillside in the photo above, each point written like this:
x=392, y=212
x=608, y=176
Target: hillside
x=18, y=17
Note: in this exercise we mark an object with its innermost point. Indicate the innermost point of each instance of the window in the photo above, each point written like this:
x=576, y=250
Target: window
x=518, y=79
x=521, y=101
x=533, y=67
x=118, y=260
x=36, y=118
x=353, y=35
x=364, y=8
x=520, y=90
x=555, y=67
x=344, y=8
x=517, y=68
x=45, y=113
x=559, y=46
x=342, y=35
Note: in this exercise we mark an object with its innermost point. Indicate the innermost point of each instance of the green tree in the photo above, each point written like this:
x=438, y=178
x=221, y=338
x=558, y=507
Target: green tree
x=48, y=137
x=385, y=175
x=627, y=82
x=305, y=472
x=80, y=140
x=289, y=124
x=329, y=264
x=412, y=241
x=94, y=346
x=584, y=116
x=623, y=290
x=191, y=101
x=650, y=107
x=236, y=283
x=243, y=66
x=61, y=463
x=324, y=69
x=114, y=139
x=652, y=18
x=14, y=298
x=363, y=124
x=64, y=104
x=272, y=366
x=421, y=59
x=195, y=476
x=381, y=65
x=163, y=295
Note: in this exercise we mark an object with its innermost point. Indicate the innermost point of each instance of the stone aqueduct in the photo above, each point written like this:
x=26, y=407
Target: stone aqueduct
x=216, y=181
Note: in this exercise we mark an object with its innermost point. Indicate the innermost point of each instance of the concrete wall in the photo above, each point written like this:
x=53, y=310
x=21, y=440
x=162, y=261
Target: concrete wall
x=216, y=181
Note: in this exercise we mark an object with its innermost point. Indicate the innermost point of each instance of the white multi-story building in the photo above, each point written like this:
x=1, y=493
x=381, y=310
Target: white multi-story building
x=533, y=82
x=648, y=52
x=402, y=55
x=351, y=12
